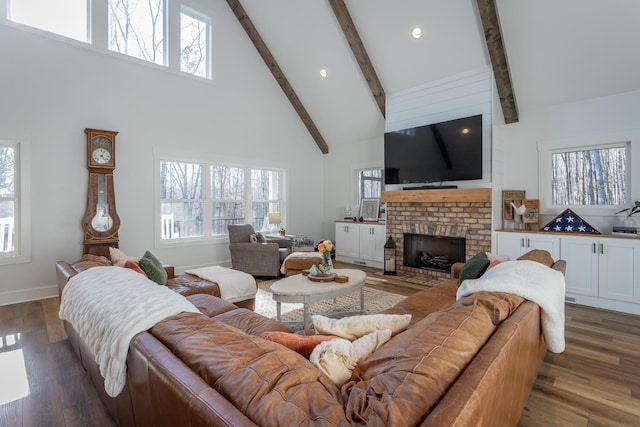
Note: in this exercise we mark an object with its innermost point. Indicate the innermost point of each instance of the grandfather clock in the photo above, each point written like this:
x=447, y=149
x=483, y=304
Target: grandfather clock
x=101, y=221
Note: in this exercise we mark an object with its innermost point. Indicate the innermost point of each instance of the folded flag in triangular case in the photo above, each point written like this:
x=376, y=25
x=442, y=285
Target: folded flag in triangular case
x=569, y=222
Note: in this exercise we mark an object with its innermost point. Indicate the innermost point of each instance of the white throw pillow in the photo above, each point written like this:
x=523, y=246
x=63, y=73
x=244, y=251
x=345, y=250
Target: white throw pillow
x=338, y=357
x=354, y=327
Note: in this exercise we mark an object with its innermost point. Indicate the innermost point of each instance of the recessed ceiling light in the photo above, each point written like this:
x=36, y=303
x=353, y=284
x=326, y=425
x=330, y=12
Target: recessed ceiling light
x=323, y=72
x=416, y=33
x=465, y=131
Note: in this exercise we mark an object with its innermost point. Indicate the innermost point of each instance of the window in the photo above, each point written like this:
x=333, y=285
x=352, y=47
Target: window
x=370, y=183
x=64, y=17
x=194, y=43
x=137, y=28
x=589, y=177
x=181, y=199
x=8, y=198
x=14, y=202
x=236, y=195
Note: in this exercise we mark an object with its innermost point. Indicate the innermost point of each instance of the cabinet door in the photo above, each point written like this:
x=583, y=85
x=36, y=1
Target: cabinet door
x=347, y=239
x=550, y=244
x=372, y=240
x=581, y=254
x=619, y=269
x=510, y=244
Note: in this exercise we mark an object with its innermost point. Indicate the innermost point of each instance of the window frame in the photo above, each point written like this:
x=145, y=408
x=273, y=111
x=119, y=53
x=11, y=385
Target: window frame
x=208, y=237
x=195, y=14
x=547, y=148
x=22, y=200
x=358, y=183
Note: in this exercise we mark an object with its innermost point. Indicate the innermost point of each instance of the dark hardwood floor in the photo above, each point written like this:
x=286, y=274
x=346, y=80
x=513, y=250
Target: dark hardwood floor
x=595, y=382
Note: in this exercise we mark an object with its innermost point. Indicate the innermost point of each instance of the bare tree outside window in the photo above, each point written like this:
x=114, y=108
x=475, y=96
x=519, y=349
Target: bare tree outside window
x=194, y=45
x=7, y=198
x=265, y=195
x=136, y=28
x=590, y=177
x=181, y=199
x=228, y=198
x=370, y=183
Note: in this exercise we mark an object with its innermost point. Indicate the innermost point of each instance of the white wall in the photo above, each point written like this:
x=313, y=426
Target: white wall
x=599, y=120
x=51, y=90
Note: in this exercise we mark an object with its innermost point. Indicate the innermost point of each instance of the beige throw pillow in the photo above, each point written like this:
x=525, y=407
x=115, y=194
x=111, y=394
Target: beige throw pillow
x=354, y=327
x=119, y=258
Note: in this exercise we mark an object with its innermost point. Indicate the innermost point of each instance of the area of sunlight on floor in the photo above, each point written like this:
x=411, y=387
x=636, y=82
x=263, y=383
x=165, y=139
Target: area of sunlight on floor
x=14, y=383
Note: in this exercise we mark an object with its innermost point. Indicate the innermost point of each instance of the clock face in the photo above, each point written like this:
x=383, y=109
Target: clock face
x=101, y=156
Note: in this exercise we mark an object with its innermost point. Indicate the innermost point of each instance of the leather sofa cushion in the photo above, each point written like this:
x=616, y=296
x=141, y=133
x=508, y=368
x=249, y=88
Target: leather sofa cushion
x=428, y=301
x=250, y=322
x=188, y=284
x=499, y=305
x=87, y=261
x=422, y=363
x=269, y=383
x=209, y=305
x=538, y=255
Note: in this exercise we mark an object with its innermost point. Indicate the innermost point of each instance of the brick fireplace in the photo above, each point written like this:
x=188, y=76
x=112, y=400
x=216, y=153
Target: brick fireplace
x=457, y=213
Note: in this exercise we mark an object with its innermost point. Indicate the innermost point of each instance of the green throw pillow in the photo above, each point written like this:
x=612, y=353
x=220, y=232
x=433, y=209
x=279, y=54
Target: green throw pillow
x=474, y=267
x=153, y=268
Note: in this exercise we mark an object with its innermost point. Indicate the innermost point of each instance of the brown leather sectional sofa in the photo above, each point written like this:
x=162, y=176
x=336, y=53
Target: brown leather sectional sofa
x=470, y=362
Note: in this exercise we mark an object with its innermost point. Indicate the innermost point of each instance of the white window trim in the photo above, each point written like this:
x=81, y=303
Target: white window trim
x=547, y=148
x=22, y=242
x=160, y=154
x=97, y=39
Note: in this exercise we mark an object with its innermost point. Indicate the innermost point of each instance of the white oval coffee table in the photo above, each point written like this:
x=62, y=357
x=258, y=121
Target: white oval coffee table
x=300, y=289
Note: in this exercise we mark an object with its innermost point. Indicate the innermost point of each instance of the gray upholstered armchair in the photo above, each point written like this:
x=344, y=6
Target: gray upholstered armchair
x=257, y=259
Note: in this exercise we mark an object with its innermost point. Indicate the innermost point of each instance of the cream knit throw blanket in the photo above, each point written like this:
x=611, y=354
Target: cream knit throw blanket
x=533, y=281
x=108, y=306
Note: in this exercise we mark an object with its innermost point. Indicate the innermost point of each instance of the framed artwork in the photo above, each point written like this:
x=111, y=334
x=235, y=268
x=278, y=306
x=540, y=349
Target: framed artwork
x=512, y=200
x=531, y=212
x=369, y=209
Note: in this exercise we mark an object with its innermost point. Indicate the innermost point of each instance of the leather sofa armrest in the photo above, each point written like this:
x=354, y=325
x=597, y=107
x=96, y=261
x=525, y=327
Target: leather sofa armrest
x=455, y=269
x=171, y=271
x=560, y=265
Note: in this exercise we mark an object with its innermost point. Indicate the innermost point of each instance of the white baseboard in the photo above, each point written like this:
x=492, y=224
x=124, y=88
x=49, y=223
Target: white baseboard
x=15, y=297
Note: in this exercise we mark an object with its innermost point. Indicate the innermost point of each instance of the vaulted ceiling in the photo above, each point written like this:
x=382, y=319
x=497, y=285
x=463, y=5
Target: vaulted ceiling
x=556, y=51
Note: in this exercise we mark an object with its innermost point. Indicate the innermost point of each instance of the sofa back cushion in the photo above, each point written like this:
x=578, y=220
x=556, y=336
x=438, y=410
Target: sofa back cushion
x=269, y=383
x=420, y=363
x=88, y=260
x=538, y=255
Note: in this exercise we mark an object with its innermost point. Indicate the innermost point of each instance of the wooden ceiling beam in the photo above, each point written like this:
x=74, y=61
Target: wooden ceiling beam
x=268, y=58
x=493, y=36
x=359, y=52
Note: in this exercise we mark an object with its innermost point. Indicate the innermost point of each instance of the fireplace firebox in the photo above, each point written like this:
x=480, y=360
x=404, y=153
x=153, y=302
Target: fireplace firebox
x=435, y=253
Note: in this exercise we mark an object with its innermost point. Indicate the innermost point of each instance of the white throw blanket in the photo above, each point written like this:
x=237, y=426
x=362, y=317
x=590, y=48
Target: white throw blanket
x=234, y=285
x=108, y=306
x=534, y=282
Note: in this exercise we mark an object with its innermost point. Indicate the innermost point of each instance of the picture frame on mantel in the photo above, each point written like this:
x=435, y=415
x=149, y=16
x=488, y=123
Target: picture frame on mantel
x=369, y=209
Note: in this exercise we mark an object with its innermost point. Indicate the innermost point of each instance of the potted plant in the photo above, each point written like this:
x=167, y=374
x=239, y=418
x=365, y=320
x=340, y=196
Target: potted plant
x=628, y=221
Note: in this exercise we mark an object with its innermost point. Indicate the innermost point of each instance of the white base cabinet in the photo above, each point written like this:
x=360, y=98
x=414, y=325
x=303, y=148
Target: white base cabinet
x=515, y=244
x=360, y=243
x=602, y=271
x=607, y=268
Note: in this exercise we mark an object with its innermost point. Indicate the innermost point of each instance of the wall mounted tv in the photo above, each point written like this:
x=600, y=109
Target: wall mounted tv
x=446, y=151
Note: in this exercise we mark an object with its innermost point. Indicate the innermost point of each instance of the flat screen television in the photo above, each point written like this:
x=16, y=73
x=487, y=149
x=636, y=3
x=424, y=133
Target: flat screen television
x=446, y=151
